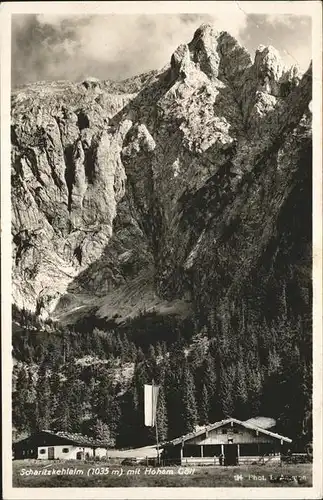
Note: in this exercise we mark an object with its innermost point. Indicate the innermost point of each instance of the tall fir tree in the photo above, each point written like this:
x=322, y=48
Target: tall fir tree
x=173, y=389
x=240, y=391
x=161, y=416
x=62, y=419
x=226, y=380
x=188, y=402
x=210, y=381
x=23, y=402
x=131, y=421
x=204, y=406
x=254, y=385
x=101, y=432
x=43, y=406
x=105, y=404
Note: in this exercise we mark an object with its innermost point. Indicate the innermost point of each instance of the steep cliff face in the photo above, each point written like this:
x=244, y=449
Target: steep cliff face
x=174, y=191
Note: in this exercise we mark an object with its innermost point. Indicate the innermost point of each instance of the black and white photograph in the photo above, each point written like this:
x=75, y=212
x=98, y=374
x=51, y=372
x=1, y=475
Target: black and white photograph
x=161, y=249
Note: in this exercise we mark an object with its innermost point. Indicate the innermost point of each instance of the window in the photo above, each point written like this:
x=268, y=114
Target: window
x=235, y=431
x=65, y=450
x=224, y=431
x=212, y=450
x=42, y=451
x=192, y=450
x=249, y=450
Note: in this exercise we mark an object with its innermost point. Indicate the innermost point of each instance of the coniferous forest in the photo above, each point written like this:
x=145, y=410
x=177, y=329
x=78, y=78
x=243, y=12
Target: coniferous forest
x=91, y=381
x=165, y=222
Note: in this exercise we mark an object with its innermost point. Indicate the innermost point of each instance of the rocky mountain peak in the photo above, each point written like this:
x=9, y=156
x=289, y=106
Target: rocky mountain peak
x=205, y=30
x=203, y=50
x=148, y=192
x=269, y=68
x=216, y=54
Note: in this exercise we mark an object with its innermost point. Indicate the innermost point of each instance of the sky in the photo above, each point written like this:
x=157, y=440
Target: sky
x=57, y=47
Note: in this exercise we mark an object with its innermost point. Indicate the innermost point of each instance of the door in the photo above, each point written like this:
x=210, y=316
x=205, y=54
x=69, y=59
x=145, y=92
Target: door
x=51, y=454
x=230, y=454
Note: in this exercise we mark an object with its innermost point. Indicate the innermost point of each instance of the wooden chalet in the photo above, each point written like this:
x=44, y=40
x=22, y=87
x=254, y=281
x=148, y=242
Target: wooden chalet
x=49, y=445
x=228, y=442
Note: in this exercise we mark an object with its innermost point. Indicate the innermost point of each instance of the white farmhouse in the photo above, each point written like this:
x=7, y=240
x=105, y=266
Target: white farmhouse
x=49, y=445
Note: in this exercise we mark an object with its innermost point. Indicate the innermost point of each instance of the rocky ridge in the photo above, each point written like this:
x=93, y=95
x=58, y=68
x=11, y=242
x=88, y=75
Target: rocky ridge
x=170, y=191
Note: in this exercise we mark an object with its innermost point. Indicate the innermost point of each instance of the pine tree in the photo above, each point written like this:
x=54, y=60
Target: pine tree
x=22, y=402
x=54, y=357
x=159, y=351
x=43, y=409
x=173, y=367
x=120, y=348
x=108, y=345
x=62, y=418
x=151, y=353
x=69, y=406
x=226, y=380
x=197, y=353
x=274, y=362
x=132, y=352
x=188, y=402
x=204, y=407
x=151, y=363
x=164, y=349
x=131, y=420
x=105, y=404
x=39, y=354
x=97, y=346
x=162, y=416
x=100, y=431
x=140, y=355
x=254, y=385
x=126, y=347
x=241, y=392
x=55, y=387
x=76, y=401
x=210, y=381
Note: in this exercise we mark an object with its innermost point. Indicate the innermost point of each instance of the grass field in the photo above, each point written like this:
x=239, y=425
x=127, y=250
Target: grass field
x=72, y=473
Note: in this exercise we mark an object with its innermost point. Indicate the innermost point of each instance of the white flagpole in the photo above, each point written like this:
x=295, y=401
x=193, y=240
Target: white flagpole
x=156, y=427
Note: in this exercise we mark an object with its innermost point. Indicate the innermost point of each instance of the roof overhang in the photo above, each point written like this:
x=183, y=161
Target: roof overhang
x=187, y=437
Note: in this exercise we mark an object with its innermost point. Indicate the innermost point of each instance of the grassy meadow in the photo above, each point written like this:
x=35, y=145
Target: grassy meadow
x=30, y=473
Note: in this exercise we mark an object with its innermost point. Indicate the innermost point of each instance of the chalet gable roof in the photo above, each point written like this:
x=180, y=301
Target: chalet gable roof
x=221, y=423
x=61, y=438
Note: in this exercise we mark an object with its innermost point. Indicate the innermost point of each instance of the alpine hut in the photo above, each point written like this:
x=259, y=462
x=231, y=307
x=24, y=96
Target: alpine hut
x=49, y=445
x=228, y=442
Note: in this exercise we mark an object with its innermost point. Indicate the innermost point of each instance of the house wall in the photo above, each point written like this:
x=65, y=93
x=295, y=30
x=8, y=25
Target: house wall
x=37, y=446
x=249, y=446
x=21, y=453
x=209, y=455
x=100, y=452
x=242, y=460
x=235, y=433
x=60, y=454
x=249, y=449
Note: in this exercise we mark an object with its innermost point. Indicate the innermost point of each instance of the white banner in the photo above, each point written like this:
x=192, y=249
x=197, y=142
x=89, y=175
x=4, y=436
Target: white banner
x=150, y=404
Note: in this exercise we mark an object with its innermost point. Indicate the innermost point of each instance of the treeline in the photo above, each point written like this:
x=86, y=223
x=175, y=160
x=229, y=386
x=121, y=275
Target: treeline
x=57, y=347
x=262, y=370
x=35, y=341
